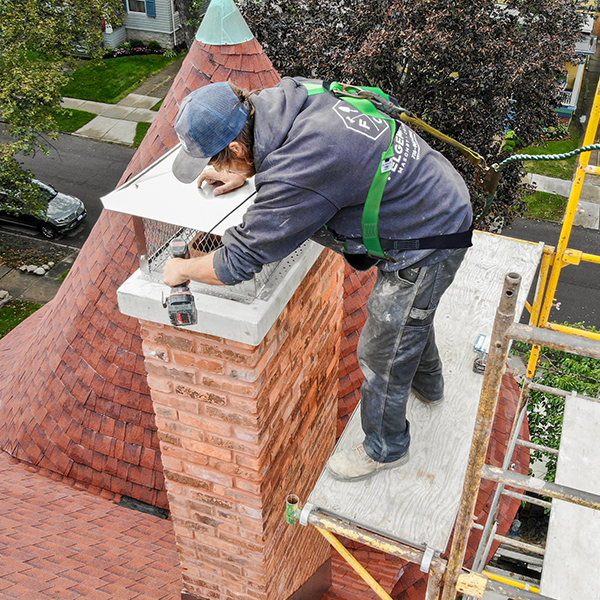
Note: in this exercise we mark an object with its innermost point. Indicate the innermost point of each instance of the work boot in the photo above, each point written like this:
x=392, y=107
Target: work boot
x=428, y=388
x=354, y=464
x=424, y=399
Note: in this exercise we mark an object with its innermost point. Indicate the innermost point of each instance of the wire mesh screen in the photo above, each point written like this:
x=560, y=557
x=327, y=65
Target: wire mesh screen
x=157, y=238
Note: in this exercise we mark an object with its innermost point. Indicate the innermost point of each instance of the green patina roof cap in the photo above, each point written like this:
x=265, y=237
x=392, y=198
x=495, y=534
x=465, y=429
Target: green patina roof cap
x=223, y=25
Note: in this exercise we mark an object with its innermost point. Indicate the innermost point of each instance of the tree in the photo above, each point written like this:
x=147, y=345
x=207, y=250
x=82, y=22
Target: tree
x=38, y=40
x=470, y=69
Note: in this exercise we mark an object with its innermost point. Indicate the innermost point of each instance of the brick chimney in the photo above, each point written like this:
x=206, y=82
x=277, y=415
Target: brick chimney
x=245, y=416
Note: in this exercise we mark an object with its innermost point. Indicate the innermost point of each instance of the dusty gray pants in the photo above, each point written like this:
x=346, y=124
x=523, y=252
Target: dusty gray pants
x=397, y=345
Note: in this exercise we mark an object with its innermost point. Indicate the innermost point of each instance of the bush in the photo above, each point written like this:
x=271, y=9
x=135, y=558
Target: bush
x=512, y=142
x=135, y=48
x=545, y=411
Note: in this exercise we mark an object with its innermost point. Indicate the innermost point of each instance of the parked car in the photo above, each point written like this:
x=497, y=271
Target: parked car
x=63, y=213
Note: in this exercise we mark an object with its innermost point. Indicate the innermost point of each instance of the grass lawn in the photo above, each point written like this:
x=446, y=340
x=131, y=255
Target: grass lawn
x=140, y=131
x=13, y=313
x=112, y=79
x=70, y=120
x=562, y=169
x=543, y=205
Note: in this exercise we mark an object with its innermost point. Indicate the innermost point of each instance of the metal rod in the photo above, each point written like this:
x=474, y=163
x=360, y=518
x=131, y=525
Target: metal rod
x=548, y=390
x=347, y=556
x=140, y=240
x=487, y=536
x=573, y=330
x=514, y=593
x=538, y=447
x=434, y=583
x=520, y=545
x=545, y=488
x=505, y=316
x=378, y=542
x=530, y=499
x=511, y=541
x=555, y=339
x=590, y=258
x=521, y=585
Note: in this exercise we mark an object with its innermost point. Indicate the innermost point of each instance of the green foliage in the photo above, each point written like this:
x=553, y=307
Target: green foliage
x=558, y=132
x=469, y=66
x=20, y=194
x=547, y=206
x=13, y=313
x=38, y=41
x=109, y=80
x=564, y=371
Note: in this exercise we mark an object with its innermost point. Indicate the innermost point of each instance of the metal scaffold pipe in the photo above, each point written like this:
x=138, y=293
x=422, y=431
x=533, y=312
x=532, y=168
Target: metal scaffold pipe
x=505, y=316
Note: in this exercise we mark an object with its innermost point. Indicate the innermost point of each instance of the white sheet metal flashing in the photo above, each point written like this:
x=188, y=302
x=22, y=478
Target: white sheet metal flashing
x=157, y=194
x=247, y=323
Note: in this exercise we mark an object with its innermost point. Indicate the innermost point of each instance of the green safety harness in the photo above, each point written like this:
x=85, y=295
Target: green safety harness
x=375, y=103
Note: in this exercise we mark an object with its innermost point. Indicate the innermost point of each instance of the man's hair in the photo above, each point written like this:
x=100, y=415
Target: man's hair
x=245, y=137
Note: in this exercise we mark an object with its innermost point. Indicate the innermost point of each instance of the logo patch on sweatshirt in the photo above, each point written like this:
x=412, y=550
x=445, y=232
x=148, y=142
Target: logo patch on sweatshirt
x=356, y=121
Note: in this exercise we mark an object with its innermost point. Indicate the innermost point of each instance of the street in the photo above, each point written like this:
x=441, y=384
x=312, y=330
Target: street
x=578, y=289
x=83, y=168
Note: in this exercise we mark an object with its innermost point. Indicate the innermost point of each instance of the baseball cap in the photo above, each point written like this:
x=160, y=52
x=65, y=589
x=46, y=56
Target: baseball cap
x=209, y=119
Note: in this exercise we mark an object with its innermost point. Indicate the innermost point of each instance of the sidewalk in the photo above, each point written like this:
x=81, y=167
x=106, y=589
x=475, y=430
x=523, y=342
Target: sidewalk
x=117, y=123
x=588, y=209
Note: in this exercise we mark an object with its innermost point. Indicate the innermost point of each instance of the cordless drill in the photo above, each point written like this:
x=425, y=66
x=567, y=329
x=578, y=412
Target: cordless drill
x=180, y=303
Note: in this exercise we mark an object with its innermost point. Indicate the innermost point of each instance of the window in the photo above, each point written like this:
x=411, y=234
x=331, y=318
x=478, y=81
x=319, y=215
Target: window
x=137, y=6
x=142, y=6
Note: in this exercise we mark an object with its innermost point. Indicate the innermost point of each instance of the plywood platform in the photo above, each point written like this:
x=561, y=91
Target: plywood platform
x=570, y=570
x=418, y=503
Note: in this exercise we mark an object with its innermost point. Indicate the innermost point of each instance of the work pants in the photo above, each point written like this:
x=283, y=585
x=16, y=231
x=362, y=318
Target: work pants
x=397, y=345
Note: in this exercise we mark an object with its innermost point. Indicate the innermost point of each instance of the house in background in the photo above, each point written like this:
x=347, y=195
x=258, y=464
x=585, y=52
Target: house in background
x=585, y=47
x=146, y=20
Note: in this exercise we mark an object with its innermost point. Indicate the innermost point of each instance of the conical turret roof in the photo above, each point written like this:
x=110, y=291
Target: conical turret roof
x=73, y=391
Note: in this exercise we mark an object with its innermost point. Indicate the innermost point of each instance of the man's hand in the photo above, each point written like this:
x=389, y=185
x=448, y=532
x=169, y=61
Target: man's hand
x=173, y=272
x=181, y=270
x=222, y=181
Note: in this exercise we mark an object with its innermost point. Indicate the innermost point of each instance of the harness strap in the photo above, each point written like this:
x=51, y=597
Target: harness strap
x=462, y=239
x=365, y=99
x=370, y=217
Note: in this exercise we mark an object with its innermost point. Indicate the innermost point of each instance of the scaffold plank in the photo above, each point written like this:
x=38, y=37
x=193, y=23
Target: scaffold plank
x=418, y=503
x=573, y=543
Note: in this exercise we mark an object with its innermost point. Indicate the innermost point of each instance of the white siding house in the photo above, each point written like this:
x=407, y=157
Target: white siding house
x=147, y=20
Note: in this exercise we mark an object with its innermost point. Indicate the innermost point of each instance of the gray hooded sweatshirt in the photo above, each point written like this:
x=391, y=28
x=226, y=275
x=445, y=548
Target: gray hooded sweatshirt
x=315, y=158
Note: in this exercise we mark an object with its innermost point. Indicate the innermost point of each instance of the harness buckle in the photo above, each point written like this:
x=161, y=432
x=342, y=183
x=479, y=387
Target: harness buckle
x=355, y=92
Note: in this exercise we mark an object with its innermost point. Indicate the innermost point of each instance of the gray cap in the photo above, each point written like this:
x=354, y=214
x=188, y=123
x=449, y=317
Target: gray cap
x=209, y=119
